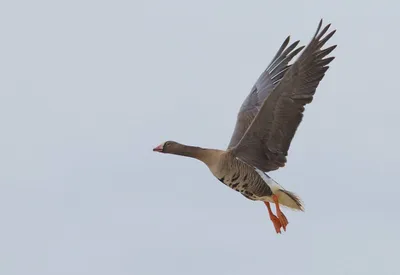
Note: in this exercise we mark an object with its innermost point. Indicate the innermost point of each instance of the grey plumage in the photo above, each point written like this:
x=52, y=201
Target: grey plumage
x=267, y=81
x=241, y=177
x=265, y=143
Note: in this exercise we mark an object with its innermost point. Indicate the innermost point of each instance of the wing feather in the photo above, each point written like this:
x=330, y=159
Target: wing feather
x=266, y=141
x=267, y=81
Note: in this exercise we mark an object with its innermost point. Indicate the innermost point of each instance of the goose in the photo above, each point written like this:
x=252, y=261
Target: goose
x=265, y=126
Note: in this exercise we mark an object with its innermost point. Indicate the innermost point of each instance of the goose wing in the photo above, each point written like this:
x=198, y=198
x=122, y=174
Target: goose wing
x=266, y=141
x=267, y=81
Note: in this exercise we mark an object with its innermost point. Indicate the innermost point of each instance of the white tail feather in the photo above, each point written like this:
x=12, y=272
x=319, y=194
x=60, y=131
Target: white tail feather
x=285, y=198
x=290, y=200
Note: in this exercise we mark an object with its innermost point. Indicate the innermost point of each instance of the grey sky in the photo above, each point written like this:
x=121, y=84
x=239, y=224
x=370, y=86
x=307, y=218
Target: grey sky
x=89, y=87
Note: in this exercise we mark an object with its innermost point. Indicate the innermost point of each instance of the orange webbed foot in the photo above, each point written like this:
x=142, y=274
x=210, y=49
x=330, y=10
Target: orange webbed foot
x=277, y=224
x=282, y=218
x=275, y=220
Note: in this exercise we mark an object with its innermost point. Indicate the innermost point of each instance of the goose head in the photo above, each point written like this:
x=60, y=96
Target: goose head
x=168, y=147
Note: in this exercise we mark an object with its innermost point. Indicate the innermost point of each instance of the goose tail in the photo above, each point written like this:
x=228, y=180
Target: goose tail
x=285, y=198
x=289, y=199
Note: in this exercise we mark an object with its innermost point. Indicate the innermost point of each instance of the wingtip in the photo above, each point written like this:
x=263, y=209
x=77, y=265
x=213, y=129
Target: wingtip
x=286, y=42
x=319, y=27
x=295, y=43
x=325, y=29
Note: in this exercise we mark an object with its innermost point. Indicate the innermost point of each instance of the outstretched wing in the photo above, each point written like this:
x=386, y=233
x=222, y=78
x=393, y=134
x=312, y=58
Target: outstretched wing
x=266, y=142
x=263, y=87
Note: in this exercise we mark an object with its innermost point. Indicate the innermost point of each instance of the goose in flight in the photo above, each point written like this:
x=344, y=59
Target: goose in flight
x=266, y=124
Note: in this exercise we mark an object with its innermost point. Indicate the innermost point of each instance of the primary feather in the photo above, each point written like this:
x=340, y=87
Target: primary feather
x=267, y=81
x=267, y=139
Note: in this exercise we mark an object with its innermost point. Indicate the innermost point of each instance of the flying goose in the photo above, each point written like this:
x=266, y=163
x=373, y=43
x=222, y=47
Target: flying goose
x=265, y=126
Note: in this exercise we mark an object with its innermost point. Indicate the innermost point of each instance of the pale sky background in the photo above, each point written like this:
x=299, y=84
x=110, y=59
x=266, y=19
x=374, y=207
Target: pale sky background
x=88, y=88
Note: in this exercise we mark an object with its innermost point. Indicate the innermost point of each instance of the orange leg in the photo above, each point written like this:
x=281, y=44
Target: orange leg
x=282, y=218
x=274, y=219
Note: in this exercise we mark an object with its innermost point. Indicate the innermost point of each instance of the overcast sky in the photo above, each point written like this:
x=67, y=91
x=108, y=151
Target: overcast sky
x=88, y=88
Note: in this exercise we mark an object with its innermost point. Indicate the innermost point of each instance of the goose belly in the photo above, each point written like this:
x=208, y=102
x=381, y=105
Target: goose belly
x=252, y=187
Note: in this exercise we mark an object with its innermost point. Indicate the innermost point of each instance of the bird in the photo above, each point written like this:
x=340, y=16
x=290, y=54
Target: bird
x=265, y=126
